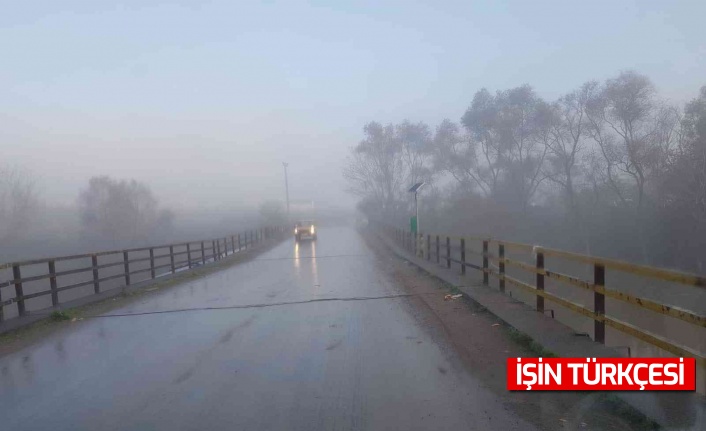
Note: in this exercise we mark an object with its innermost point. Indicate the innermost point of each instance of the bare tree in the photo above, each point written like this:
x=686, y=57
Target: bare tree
x=121, y=211
x=684, y=185
x=415, y=150
x=624, y=117
x=18, y=202
x=458, y=155
x=482, y=154
x=567, y=126
x=375, y=171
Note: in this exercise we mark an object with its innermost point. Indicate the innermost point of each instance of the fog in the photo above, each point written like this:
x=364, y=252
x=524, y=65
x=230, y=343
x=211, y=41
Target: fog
x=201, y=102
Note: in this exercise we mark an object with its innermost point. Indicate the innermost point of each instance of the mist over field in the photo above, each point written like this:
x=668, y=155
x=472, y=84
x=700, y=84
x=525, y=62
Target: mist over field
x=146, y=122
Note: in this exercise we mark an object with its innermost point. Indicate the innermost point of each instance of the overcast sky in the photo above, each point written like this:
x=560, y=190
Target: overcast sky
x=204, y=100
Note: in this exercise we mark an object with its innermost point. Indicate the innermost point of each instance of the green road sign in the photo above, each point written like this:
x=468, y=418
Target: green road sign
x=413, y=224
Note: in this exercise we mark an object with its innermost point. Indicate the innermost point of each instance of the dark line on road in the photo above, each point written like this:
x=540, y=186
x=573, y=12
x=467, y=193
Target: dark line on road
x=275, y=304
x=310, y=257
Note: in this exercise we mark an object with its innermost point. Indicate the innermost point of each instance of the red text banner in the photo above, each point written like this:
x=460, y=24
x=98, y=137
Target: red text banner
x=601, y=374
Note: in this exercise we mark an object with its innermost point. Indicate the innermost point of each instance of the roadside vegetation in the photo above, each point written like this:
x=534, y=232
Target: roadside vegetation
x=610, y=168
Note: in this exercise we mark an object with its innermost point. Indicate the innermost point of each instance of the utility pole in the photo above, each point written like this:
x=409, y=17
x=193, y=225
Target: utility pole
x=415, y=189
x=286, y=185
x=418, y=247
x=416, y=212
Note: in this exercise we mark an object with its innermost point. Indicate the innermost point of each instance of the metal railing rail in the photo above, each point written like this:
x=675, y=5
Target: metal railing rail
x=439, y=247
x=196, y=253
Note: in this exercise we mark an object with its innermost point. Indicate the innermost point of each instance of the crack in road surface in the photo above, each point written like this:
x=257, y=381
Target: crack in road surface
x=274, y=304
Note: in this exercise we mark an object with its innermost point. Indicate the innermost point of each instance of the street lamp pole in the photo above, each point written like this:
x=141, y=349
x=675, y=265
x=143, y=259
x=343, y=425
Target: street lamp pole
x=415, y=189
x=286, y=185
x=416, y=212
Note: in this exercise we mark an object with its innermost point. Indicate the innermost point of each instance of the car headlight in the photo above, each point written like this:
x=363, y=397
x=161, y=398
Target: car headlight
x=312, y=229
x=296, y=231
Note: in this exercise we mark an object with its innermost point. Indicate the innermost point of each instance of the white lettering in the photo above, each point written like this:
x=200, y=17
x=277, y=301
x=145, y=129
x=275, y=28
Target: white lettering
x=672, y=374
x=575, y=373
x=624, y=374
x=594, y=381
x=608, y=374
x=637, y=379
x=527, y=373
x=655, y=374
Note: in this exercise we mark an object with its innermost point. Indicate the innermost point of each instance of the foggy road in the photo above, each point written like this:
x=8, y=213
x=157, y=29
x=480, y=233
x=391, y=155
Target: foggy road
x=324, y=365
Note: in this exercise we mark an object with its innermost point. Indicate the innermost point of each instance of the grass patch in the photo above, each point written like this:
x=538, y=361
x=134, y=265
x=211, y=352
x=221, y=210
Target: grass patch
x=634, y=417
x=528, y=343
x=58, y=316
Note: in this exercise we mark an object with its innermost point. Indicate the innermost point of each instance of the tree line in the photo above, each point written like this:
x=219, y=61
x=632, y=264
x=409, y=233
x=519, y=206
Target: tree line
x=610, y=168
x=108, y=213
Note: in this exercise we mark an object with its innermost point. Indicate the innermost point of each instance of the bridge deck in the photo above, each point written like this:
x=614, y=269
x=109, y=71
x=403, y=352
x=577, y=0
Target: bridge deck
x=341, y=364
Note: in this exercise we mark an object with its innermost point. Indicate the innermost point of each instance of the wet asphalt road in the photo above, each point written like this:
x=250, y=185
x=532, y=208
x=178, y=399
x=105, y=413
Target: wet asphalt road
x=334, y=365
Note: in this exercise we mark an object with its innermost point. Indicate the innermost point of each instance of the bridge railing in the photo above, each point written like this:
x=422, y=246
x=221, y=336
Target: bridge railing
x=41, y=283
x=492, y=258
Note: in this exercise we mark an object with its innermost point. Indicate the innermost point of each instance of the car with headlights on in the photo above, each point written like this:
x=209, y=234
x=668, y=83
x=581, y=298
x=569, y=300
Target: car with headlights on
x=305, y=229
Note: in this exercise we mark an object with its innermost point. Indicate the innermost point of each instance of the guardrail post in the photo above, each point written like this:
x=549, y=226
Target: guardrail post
x=448, y=252
x=485, y=262
x=501, y=266
x=240, y=246
x=438, y=249
x=152, y=262
x=540, y=281
x=126, y=266
x=428, y=247
x=171, y=258
x=599, y=303
x=188, y=254
x=96, y=283
x=463, y=256
x=52, y=284
x=203, y=254
x=17, y=275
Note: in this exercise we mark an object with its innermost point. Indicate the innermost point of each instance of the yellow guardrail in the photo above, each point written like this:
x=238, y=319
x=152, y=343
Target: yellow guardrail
x=442, y=247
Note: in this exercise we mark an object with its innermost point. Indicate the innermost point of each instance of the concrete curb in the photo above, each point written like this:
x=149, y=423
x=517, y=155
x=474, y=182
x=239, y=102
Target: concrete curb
x=671, y=410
